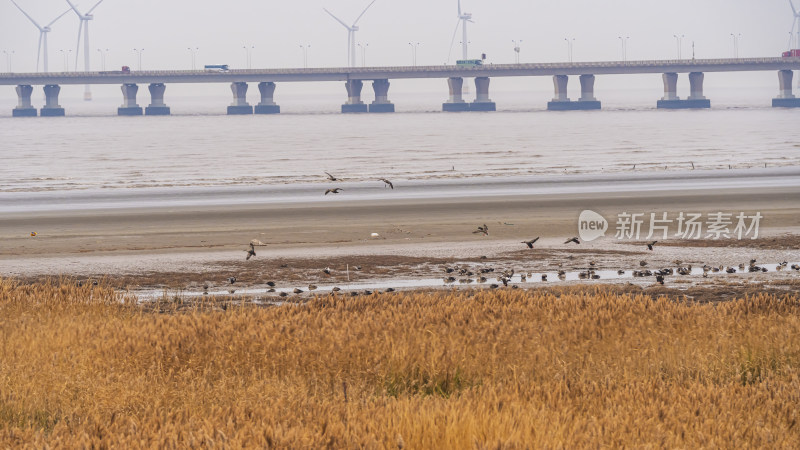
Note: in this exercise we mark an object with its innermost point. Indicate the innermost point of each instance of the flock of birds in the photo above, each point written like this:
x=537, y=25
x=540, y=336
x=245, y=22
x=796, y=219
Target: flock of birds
x=231, y=281
x=472, y=275
x=505, y=277
x=337, y=190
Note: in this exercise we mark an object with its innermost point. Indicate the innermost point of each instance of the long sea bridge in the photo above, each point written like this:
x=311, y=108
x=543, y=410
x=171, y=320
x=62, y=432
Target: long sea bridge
x=354, y=79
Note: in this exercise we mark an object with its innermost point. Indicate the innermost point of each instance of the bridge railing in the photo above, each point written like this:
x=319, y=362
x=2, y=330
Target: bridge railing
x=685, y=63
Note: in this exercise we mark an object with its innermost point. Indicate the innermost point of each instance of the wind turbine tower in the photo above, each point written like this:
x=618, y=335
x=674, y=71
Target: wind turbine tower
x=84, y=26
x=43, y=30
x=464, y=18
x=795, y=27
x=351, y=34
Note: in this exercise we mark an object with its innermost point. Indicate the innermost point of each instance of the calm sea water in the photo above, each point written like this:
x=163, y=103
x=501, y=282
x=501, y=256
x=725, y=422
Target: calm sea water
x=94, y=149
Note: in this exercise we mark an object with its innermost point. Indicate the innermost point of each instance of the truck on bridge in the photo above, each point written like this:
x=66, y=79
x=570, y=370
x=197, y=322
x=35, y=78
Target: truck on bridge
x=125, y=69
x=793, y=53
x=216, y=67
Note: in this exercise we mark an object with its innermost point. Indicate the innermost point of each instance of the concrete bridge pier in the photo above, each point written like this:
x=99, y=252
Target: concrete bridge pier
x=381, y=103
x=562, y=103
x=24, y=107
x=157, y=106
x=239, y=105
x=696, y=100
x=482, y=101
x=456, y=101
x=785, y=99
x=670, y=90
x=51, y=107
x=587, y=100
x=129, y=106
x=267, y=104
x=354, y=103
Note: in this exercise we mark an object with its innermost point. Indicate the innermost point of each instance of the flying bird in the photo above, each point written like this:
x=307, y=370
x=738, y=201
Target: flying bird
x=482, y=230
x=251, y=252
x=388, y=183
x=530, y=243
x=574, y=239
x=333, y=191
x=650, y=245
x=332, y=178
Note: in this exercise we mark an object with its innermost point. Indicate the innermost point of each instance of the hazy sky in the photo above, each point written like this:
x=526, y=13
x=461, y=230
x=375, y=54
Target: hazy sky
x=166, y=28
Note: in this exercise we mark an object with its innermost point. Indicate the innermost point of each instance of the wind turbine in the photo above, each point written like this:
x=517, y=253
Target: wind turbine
x=463, y=18
x=84, y=26
x=351, y=34
x=43, y=30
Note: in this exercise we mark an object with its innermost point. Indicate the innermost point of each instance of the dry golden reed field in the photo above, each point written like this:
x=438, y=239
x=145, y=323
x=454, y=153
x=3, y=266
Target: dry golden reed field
x=561, y=368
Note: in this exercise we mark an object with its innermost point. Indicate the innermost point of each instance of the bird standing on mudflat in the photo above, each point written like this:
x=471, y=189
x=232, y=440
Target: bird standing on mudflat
x=387, y=182
x=650, y=245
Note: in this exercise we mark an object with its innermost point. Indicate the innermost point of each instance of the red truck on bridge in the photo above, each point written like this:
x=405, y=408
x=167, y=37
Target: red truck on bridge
x=794, y=53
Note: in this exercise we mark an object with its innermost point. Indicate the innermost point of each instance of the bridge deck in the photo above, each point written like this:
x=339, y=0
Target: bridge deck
x=374, y=73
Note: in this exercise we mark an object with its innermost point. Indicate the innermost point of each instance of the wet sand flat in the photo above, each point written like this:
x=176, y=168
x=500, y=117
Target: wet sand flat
x=187, y=237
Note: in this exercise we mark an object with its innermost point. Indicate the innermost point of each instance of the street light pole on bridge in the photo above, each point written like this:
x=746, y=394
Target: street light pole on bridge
x=414, y=53
x=194, y=51
x=305, y=54
x=736, y=38
x=570, y=43
x=248, y=54
x=363, y=49
x=679, y=41
x=139, y=51
x=624, y=43
x=9, y=56
x=102, y=58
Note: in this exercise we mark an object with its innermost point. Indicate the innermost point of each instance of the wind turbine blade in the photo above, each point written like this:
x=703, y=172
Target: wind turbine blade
x=793, y=9
x=459, y=8
x=362, y=12
x=62, y=15
x=75, y=9
x=93, y=7
x=337, y=19
x=39, y=51
x=26, y=15
x=453, y=41
x=78, y=45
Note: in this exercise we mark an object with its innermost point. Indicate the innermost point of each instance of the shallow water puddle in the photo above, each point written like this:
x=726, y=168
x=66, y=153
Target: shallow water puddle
x=534, y=278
